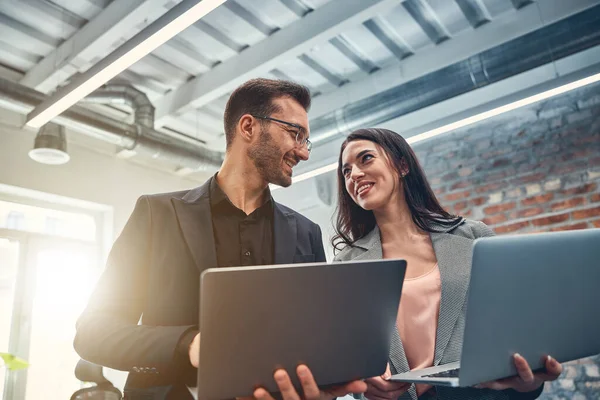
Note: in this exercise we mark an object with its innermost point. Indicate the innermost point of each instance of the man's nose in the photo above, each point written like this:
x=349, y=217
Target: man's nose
x=302, y=153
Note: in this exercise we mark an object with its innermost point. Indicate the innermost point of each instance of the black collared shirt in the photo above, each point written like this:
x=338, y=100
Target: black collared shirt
x=241, y=239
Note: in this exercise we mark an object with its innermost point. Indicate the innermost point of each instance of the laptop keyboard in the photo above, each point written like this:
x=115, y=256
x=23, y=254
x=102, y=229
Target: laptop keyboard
x=451, y=373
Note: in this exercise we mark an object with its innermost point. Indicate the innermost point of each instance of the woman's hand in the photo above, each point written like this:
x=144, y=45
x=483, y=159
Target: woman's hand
x=379, y=388
x=527, y=380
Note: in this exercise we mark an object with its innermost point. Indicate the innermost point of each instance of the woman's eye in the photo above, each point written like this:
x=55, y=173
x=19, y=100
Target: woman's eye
x=345, y=172
x=367, y=157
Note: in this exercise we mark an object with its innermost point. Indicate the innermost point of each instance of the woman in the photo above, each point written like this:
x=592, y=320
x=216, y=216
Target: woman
x=387, y=209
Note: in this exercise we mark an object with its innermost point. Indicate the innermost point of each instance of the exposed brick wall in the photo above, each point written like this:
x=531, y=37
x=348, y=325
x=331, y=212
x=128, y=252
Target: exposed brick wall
x=531, y=170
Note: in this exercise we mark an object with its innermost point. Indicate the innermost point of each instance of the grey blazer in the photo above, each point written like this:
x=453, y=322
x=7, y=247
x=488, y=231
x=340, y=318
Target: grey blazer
x=453, y=249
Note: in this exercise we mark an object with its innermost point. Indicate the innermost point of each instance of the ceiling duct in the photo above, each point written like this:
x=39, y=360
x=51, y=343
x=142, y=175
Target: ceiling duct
x=535, y=49
x=139, y=136
x=127, y=95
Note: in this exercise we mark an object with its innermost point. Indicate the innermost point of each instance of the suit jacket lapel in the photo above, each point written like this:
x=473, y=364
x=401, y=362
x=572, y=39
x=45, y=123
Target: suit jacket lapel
x=285, y=235
x=454, y=260
x=195, y=221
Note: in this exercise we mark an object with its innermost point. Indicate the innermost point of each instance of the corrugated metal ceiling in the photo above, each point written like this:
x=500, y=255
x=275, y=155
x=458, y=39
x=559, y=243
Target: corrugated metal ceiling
x=33, y=30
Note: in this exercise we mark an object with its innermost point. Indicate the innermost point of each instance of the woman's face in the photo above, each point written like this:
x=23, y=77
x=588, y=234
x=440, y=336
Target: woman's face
x=369, y=176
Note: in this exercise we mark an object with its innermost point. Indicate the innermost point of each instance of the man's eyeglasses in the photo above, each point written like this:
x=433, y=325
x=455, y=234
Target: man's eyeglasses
x=299, y=131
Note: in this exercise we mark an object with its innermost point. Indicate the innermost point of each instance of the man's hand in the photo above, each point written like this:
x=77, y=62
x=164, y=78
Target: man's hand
x=310, y=390
x=194, y=351
x=379, y=388
x=527, y=380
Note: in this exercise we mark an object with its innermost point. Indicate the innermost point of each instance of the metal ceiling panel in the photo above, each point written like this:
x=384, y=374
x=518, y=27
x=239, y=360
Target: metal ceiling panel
x=45, y=17
x=385, y=40
x=403, y=25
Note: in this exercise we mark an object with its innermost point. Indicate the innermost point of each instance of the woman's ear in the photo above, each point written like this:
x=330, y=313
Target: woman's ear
x=403, y=168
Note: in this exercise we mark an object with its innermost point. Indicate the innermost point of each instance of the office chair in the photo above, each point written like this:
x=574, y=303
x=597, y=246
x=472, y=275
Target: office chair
x=104, y=390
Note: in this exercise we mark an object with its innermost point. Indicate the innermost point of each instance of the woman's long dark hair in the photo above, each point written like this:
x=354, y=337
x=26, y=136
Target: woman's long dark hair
x=354, y=222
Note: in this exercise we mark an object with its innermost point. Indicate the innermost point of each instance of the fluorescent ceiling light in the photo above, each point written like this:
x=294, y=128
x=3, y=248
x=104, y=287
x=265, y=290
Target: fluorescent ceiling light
x=167, y=26
x=468, y=121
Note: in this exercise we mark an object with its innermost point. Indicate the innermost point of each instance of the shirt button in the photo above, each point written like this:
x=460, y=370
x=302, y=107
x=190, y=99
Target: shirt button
x=247, y=254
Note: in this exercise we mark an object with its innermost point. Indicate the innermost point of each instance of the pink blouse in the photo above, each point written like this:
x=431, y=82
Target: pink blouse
x=418, y=319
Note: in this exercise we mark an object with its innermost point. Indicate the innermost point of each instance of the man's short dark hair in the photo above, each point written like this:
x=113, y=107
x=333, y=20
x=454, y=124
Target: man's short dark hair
x=256, y=97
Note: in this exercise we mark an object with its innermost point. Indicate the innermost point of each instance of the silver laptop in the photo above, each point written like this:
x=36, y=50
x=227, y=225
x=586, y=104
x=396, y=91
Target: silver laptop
x=535, y=295
x=336, y=318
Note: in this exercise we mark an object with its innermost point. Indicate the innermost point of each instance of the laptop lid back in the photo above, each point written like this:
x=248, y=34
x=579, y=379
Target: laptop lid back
x=535, y=295
x=336, y=318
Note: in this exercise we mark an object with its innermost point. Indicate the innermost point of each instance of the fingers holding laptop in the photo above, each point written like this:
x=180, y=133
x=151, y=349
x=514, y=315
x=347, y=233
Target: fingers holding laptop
x=379, y=388
x=527, y=380
x=309, y=387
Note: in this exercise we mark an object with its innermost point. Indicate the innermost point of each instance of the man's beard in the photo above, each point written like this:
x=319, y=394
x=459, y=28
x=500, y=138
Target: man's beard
x=267, y=158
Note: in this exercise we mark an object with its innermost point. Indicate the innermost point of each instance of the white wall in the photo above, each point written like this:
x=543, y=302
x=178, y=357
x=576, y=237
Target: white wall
x=89, y=175
x=303, y=197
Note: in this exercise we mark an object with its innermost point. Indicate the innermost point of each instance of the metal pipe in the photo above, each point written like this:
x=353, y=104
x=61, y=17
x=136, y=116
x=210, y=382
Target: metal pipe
x=117, y=93
x=535, y=49
x=130, y=136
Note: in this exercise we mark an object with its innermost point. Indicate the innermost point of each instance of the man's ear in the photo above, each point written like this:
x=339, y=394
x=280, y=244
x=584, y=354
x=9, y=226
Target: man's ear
x=247, y=128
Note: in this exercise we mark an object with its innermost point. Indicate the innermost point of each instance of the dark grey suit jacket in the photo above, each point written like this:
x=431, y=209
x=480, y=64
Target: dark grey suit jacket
x=453, y=247
x=153, y=273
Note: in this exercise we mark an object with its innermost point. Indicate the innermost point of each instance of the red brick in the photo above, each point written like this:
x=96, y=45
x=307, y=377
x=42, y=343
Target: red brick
x=491, y=187
x=565, y=204
x=460, y=185
x=439, y=190
x=548, y=149
x=566, y=169
x=529, y=178
x=511, y=227
x=580, y=225
x=538, y=199
x=501, y=162
x=553, y=219
x=450, y=177
x=596, y=223
x=519, y=157
x=495, y=153
x=587, y=188
x=529, y=212
x=457, y=196
x=494, y=219
x=585, y=214
x=461, y=205
x=479, y=201
x=499, y=208
x=587, y=140
x=495, y=176
x=595, y=198
x=465, y=172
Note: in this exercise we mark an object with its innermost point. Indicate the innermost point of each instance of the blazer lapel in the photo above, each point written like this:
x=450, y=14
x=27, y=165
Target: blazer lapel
x=285, y=235
x=371, y=243
x=195, y=221
x=453, y=253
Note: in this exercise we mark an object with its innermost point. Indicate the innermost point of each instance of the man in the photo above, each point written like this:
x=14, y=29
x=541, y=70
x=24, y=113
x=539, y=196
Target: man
x=231, y=220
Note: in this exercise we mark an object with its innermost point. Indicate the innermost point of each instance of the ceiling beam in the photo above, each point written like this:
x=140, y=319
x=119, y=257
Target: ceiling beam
x=92, y=39
x=316, y=27
x=503, y=28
